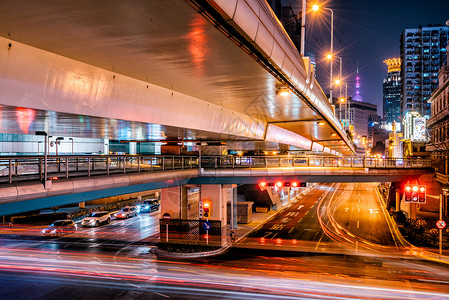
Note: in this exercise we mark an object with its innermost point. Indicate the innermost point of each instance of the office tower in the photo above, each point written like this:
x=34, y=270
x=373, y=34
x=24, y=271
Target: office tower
x=423, y=52
x=392, y=91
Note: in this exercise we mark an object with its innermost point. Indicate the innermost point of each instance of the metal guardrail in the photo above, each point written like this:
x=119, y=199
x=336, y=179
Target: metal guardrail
x=218, y=162
x=19, y=168
x=23, y=168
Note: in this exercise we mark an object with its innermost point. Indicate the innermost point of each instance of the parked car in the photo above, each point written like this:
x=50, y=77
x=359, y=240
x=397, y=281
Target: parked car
x=126, y=212
x=149, y=205
x=96, y=218
x=59, y=228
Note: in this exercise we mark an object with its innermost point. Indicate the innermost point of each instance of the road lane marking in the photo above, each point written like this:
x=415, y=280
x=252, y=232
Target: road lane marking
x=356, y=246
x=319, y=241
x=291, y=230
x=358, y=223
x=358, y=209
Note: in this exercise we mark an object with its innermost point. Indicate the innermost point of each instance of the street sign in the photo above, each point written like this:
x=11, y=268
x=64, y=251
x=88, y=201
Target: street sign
x=441, y=224
x=206, y=225
x=166, y=216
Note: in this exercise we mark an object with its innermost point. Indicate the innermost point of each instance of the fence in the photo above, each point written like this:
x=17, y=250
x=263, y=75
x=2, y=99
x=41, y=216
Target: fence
x=190, y=232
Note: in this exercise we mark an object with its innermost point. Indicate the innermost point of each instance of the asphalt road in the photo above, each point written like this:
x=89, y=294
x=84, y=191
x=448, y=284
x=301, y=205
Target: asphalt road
x=116, y=261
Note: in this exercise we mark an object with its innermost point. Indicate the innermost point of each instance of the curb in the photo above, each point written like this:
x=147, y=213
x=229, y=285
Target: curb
x=164, y=253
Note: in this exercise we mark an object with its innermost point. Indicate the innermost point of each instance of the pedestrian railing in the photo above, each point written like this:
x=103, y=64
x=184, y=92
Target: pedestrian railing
x=218, y=162
x=24, y=168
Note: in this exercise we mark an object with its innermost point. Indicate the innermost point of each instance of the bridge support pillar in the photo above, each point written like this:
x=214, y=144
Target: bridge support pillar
x=132, y=148
x=172, y=201
x=82, y=205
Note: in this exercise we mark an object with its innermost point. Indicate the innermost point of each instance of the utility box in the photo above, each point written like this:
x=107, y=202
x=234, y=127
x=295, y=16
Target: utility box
x=244, y=212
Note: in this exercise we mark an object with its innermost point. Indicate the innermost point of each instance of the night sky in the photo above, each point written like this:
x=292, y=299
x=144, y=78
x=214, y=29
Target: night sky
x=366, y=32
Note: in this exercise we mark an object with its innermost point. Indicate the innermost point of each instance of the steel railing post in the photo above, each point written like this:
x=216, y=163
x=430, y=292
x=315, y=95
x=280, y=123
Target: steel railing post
x=88, y=166
x=124, y=164
x=173, y=162
x=163, y=163
x=108, y=160
x=40, y=168
x=66, y=167
x=215, y=161
x=138, y=163
x=10, y=171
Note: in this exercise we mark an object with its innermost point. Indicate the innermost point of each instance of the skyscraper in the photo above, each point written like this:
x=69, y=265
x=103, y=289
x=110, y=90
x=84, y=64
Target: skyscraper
x=423, y=52
x=392, y=91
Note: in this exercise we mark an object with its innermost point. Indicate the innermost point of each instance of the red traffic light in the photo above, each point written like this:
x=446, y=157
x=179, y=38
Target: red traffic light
x=279, y=184
x=294, y=184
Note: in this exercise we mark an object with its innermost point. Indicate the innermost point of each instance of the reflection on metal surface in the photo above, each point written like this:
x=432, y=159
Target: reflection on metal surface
x=198, y=44
x=25, y=117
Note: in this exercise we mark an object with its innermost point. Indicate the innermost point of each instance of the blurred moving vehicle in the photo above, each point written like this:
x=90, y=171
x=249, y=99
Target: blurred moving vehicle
x=59, y=228
x=96, y=218
x=126, y=212
x=149, y=205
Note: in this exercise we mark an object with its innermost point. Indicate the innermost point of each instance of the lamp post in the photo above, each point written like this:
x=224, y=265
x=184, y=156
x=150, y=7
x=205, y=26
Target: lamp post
x=71, y=139
x=58, y=142
x=45, y=151
x=303, y=27
x=316, y=8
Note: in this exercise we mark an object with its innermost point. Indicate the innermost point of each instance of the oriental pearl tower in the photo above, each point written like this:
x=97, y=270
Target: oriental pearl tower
x=357, y=96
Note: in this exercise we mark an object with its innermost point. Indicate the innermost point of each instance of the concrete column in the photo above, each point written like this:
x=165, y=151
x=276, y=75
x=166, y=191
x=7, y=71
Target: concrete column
x=171, y=202
x=231, y=196
x=82, y=205
x=235, y=210
x=132, y=148
x=106, y=146
x=184, y=203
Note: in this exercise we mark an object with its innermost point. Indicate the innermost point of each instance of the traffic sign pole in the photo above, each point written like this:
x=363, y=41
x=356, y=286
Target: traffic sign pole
x=441, y=230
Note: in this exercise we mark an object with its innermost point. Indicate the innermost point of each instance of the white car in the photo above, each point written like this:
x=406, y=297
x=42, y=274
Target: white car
x=96, y=218
x=126, y=212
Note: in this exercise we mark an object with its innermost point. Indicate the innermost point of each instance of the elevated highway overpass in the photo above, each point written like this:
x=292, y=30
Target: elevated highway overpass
x=194, y=70
x=87, y=178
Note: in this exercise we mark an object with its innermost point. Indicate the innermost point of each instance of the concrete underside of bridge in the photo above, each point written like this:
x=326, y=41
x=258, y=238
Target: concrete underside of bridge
x=28, y=196
x=159, y=70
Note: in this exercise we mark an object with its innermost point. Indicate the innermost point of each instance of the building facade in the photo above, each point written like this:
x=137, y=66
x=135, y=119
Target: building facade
x=438, y=124
x=422, y=54
x=392, y=91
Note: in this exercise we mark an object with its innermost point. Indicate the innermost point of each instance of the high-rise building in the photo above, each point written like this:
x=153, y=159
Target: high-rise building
x=392, y=91
x=423, y=52
x=290, y=20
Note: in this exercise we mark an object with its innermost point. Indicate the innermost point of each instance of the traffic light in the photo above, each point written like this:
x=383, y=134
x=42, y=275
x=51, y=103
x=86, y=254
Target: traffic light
x=415, y=193
x=408, y=193
x=280, y=184
x=206, y=209
x=422, y=194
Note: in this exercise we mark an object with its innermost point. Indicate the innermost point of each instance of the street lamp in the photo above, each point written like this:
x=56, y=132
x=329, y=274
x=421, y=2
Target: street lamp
x=71, y=139
x=303, y=27
x=58, y=142
x=38, y=152
x=316, y=7
x=45, y=151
